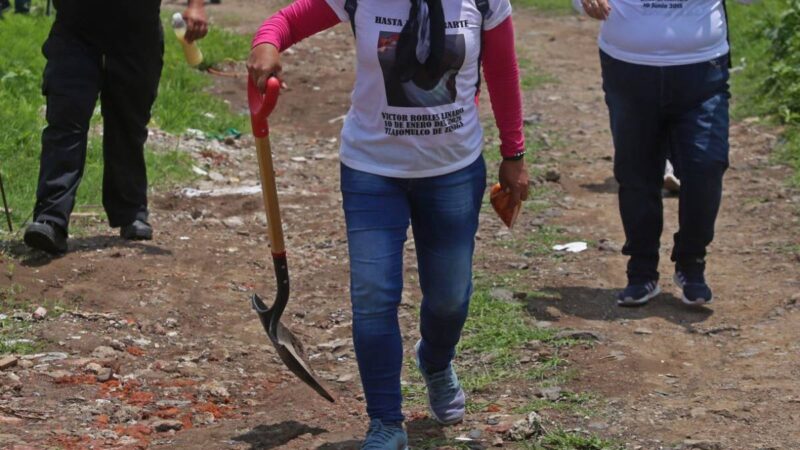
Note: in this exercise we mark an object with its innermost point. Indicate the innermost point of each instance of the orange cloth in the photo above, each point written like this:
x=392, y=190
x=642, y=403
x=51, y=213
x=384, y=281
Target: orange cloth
x=501, y=202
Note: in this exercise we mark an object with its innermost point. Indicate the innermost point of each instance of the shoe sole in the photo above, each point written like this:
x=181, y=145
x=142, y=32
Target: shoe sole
x=641, y=301
x=684, y=299
x=41, y=241
x=147, y=236
x=430, y=408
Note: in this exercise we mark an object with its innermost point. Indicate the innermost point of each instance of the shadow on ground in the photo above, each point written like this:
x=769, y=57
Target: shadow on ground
x=264, y=437
x=609, y=186
x=36, y=258
x=600, y=304
x=422, y=434
x=346, y=445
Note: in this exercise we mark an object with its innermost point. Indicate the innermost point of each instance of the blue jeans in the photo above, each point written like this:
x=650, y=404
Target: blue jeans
x=443, y=212
x=680, y=111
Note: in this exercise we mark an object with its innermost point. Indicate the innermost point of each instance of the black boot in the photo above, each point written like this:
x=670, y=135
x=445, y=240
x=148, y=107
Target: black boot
x=46, y=236
x=139, y=230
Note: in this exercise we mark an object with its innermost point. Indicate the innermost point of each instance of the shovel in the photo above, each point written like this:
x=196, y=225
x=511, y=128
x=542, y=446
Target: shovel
x=285, y=343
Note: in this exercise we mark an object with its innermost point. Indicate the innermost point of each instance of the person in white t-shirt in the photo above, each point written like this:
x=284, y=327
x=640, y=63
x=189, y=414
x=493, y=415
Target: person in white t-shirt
x=665, y=76
x=411, y=154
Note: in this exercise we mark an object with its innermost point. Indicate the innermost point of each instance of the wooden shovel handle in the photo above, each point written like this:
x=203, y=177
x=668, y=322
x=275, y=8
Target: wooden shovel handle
x=261, y=105
x=270, y=194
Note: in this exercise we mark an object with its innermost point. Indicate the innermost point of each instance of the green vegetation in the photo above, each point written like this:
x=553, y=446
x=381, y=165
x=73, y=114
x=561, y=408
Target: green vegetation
x=565, y=440
x=552, y=6
x=541, y=243
x=568, y=402
x=179, y=106
x=182, y=103
x=497, y=327
x=765, y=38
x=532, y=77
x=494, y=338
x=14, y=337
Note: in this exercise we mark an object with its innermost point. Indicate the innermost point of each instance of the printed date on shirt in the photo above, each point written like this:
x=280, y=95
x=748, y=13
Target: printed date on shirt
x=664, y=4
x=422, y=124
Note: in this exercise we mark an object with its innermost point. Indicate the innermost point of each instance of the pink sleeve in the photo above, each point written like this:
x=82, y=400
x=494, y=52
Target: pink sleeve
x=502, y=80
x=296, y=22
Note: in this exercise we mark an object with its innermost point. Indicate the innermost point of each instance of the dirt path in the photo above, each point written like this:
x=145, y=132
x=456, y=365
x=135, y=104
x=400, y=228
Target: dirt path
x=171, y=317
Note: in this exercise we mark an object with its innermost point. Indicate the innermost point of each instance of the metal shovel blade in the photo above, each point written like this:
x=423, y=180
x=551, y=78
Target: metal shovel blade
x=288, y=346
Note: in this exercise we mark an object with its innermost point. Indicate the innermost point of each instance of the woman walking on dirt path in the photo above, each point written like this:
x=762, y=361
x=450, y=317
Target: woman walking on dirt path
x=411, y=153
x=665, y=77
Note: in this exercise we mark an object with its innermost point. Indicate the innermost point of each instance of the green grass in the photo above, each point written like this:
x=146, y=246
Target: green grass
x=570, y=402
x=532, y=77
x=499, y=329
x=496, y=326
x=542, y=241
x=12, y=330
x=566, y=440
x=551, y=6
x=753, y=94
x=183, y=103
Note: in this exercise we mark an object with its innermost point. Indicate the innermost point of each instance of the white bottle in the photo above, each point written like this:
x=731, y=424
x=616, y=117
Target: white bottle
x=190, y=50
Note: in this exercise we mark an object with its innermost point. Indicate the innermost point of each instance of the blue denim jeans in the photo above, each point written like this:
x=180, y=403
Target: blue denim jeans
x=680, y=111
x=443, y=213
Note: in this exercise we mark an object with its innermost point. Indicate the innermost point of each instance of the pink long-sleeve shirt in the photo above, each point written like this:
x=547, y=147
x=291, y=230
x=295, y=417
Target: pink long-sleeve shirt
x=423, y=127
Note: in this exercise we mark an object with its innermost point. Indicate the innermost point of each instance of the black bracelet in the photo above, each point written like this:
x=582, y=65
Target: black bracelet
x=515, y=157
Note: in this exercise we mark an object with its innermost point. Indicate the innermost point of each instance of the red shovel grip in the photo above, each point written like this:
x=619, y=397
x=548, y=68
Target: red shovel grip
x=262, y=104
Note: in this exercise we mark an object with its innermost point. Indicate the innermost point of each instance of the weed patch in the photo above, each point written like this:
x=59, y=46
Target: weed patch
x=565, y=440
x=15, y=323
x=766, y=79
x=569, y=402
x=551, y=6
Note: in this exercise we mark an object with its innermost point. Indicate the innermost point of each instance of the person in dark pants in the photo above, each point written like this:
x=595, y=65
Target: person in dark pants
x=665, y=78
x=112, y=49
x=20, y=6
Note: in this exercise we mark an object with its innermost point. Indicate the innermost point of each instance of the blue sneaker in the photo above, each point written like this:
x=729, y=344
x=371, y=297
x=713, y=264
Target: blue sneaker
x=637, y=294
x=693, y=284
x=446, y=399
x=385, y=436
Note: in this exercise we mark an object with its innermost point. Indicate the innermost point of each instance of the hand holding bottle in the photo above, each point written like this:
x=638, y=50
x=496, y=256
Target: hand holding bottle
x=196, y=21
x=190, y=50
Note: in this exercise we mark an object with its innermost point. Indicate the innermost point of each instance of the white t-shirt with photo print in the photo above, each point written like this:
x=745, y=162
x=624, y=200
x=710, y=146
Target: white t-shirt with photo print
x=429, y=125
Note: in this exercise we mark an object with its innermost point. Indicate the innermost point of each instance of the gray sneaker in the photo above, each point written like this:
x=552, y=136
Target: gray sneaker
x=385, y=436
x=446, y=398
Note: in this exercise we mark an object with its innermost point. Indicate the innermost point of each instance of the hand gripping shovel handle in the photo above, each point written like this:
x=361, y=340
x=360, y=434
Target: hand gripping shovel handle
x=261, y=104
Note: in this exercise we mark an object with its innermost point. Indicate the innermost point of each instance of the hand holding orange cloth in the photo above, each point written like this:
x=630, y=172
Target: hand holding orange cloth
x=501, y=202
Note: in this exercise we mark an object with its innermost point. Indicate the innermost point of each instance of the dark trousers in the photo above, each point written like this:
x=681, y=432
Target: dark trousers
x=20, y=6
x=680, y=111
x=126, y=79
